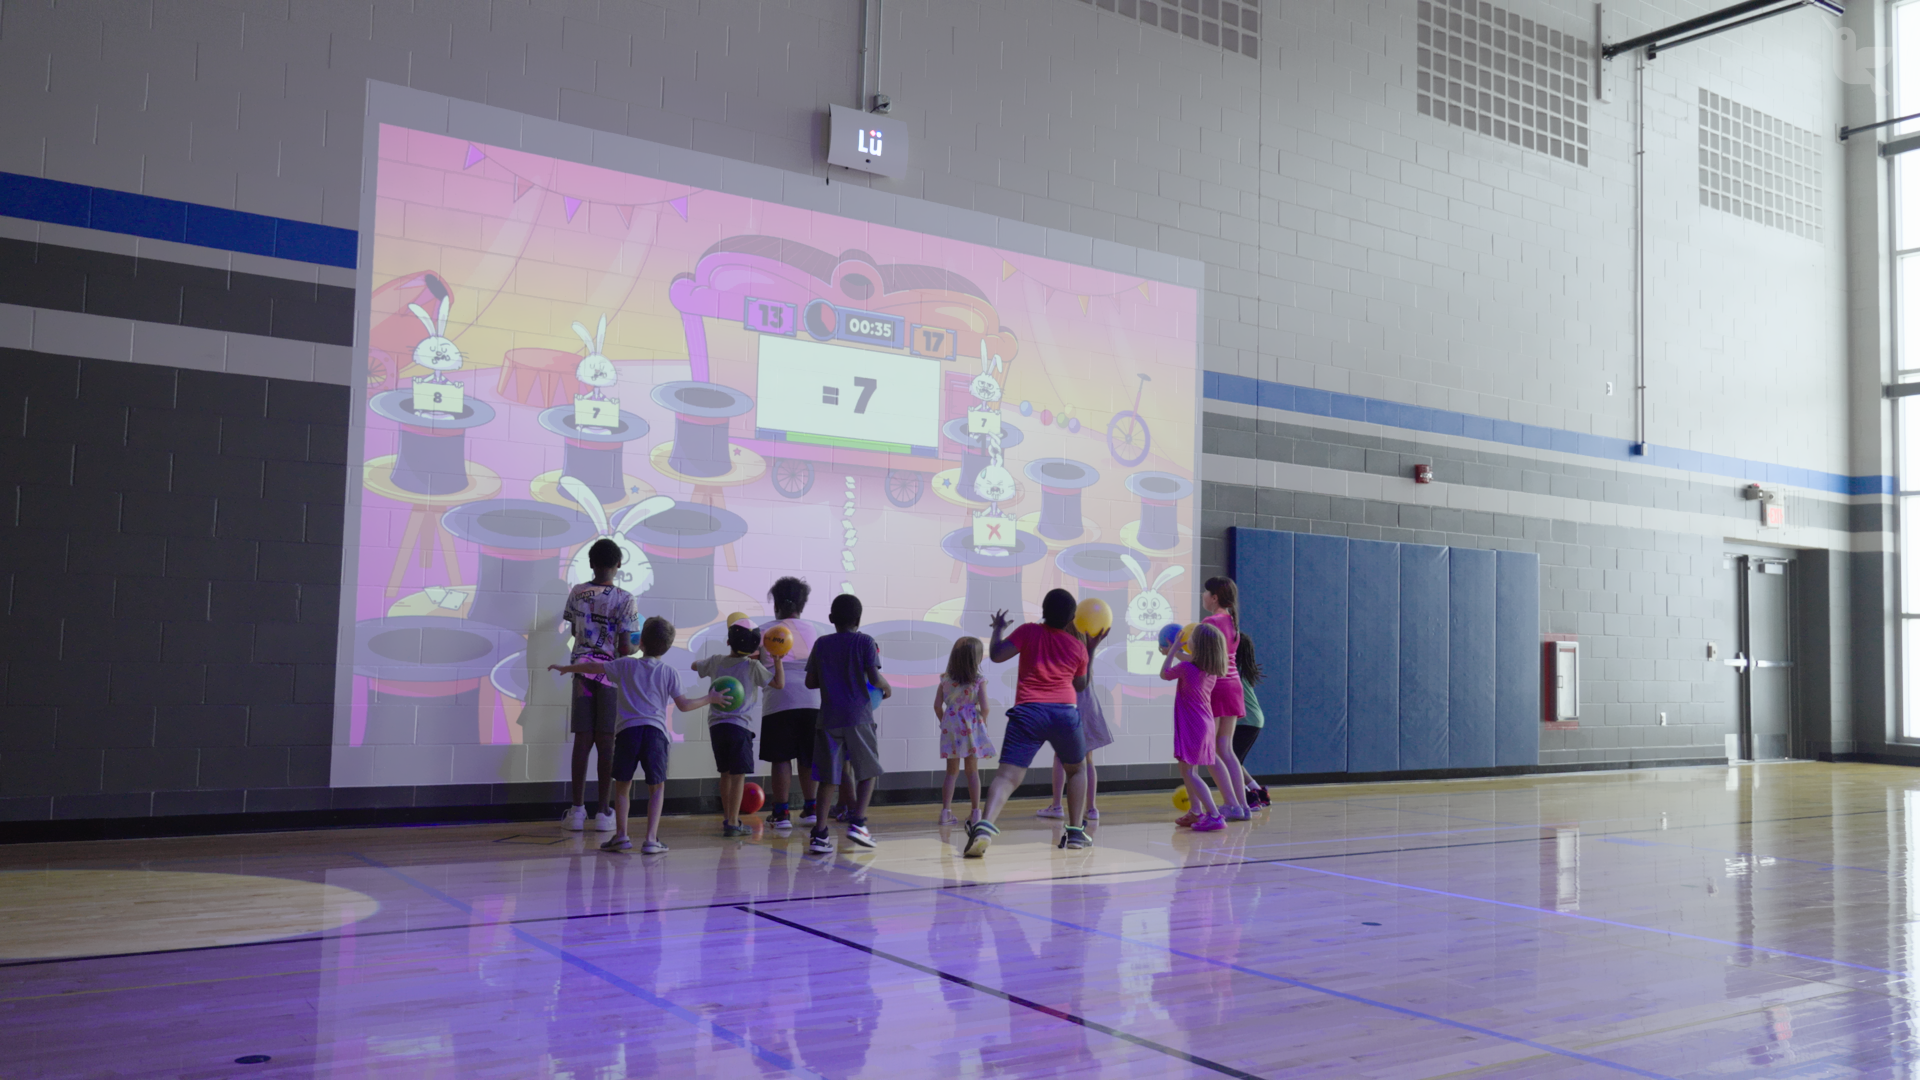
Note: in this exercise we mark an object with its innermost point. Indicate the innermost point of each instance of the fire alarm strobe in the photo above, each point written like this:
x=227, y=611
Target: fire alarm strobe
x=868, y=142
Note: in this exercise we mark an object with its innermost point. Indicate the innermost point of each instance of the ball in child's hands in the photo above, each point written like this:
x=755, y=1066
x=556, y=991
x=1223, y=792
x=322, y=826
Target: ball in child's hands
x=733, y=695
x=1092, y=616
x=1169, y=634
x=778, y=640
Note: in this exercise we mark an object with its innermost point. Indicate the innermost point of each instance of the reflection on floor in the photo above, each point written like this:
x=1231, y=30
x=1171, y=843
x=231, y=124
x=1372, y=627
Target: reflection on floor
x=1755, y=921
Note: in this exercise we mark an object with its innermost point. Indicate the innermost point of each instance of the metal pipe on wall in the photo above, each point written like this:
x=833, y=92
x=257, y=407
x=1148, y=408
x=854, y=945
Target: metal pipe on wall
x=1640, y=252
x=866, y=6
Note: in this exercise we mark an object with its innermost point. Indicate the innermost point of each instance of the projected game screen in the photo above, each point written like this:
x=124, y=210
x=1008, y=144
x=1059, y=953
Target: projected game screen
x=733, y=390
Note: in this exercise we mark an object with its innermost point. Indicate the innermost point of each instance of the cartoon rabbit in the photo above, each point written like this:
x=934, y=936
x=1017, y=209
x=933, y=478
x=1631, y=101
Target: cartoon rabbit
x=436, y=353
x=985, y=386
x=595, y=370
x=1149, y=611
x=636, y=573
x=993, y=483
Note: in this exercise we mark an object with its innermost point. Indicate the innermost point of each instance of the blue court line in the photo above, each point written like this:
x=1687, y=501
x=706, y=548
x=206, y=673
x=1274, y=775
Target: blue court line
x=1269, y=976
x=1220, y=386
x=56, y=202
x=677, y=1012
x=1353, y=839
x=1587, y=918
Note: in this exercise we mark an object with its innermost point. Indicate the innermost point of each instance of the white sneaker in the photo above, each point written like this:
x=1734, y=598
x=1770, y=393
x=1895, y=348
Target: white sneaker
x=859, y=835
x=652, y=847
x=575, y=819
x=1050, y=812
x=603, y=821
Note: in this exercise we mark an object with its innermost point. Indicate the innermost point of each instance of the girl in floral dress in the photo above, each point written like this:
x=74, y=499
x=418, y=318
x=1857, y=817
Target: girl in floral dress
x=961, y=706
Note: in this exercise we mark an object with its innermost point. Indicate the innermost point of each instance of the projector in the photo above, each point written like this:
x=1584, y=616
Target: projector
x=867, y=142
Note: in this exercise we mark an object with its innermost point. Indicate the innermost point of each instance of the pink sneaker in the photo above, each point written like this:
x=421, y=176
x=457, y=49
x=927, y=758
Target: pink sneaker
x=1213, y=823
x=1188, y=819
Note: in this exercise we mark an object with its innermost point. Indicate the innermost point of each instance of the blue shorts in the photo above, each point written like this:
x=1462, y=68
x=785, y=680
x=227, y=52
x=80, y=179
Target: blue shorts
x=1036, y=722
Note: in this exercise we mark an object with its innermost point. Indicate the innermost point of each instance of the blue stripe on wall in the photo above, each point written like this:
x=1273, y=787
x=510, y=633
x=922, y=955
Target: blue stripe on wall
x=1219, y=386
x=60, y=203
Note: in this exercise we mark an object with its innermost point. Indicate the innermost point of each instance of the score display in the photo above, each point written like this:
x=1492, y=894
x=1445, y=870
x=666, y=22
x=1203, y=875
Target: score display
x=838, y=395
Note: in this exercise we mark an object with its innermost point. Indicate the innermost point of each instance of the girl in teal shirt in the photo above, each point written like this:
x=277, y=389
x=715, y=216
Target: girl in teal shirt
x=1248, y=729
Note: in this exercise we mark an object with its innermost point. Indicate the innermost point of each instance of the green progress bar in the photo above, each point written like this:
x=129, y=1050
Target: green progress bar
x=851, y=444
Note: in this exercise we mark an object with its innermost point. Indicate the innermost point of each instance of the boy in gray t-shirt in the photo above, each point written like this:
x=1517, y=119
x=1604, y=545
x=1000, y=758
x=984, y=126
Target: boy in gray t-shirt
x=732, y=729
x=647, y=686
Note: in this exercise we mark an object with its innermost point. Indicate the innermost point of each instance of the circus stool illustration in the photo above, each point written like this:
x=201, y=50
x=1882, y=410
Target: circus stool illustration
x=542, y=377
x=679, y=543
x=430, y=474
x=956, y=486
x=700, y=453
x=1158, y=532
x=1096, y=573
x=596, y=457
x=520, y=542
x=1059, y=521
x=993, y=580
x=913, y=654
x=428, y=679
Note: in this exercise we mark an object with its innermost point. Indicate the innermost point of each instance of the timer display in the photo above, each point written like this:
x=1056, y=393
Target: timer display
x=829, y=322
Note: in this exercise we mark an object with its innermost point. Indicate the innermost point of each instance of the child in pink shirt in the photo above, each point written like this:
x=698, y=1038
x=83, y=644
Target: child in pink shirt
x=1196, y=667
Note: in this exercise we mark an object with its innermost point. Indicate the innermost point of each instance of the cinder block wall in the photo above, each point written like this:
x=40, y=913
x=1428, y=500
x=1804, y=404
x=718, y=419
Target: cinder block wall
x=1354, y=246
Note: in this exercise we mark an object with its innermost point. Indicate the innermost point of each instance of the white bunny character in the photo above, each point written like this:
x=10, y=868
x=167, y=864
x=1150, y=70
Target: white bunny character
x=993, y=483
x=635, y=573
x=436, y=352
x=595, y=370
x=1149, y=611
x=984, y=386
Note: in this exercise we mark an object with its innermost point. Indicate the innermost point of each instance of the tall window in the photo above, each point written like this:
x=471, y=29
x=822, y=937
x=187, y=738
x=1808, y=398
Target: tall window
x=1906, y=283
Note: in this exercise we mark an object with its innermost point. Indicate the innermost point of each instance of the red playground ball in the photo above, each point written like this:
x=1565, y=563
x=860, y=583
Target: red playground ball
x=752, y=798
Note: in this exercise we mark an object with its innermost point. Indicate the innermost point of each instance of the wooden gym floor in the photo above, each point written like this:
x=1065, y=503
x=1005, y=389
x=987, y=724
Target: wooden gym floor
x=1752, y=921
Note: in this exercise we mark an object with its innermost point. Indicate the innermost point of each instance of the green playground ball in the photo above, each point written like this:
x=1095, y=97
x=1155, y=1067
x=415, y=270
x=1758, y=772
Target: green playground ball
x=734, y=695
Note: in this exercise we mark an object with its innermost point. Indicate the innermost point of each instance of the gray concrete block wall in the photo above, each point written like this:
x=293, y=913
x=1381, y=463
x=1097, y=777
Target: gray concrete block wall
x=1351, y=244
x=170, y=562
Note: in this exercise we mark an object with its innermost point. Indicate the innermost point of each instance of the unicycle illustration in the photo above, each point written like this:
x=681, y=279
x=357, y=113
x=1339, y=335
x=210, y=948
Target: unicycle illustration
x=1127, y=434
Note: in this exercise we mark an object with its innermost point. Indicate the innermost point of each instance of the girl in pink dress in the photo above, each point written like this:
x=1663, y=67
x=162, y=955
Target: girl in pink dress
x=1221, y=598
x=961, y=705
x=1196, y=672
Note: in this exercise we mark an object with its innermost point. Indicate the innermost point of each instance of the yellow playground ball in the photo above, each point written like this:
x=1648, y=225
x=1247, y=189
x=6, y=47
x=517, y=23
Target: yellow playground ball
x=1186, y=636
x=736, y=617
x=1093, y=616
x=1181, y=800
x=778, y=640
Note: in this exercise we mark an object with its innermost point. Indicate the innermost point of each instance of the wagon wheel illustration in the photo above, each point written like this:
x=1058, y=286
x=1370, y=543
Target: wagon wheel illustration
x=1127, y=436
x=904, y=488
x=792, y=477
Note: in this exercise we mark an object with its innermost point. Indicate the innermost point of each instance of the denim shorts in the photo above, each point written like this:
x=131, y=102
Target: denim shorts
x=1054, y=723
x=642, y=749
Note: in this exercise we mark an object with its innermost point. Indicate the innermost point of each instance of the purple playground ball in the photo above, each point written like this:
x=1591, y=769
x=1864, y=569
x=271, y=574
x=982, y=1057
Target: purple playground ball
x=1073, y=426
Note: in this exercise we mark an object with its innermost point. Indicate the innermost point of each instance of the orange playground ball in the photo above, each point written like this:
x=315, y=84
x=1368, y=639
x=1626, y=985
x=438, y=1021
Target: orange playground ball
x=778, y=640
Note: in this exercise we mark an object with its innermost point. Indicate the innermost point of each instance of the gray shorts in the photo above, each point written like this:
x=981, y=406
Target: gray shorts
x=835, y=747
x=596, y=711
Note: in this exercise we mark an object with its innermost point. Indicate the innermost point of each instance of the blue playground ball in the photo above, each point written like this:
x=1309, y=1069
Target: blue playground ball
x=1169, y=634
x=873, y=697
x=1026, y=408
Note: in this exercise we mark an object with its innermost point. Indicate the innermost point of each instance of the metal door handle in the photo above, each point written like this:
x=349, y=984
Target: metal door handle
x=1739, y=662
x=1772, y=663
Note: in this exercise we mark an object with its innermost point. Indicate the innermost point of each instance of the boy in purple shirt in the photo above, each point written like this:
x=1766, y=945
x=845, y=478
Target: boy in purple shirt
x=843, y=667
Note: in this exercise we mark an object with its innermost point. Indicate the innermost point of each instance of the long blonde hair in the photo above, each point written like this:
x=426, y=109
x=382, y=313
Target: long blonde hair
x=1209, y=648
x=963, y=663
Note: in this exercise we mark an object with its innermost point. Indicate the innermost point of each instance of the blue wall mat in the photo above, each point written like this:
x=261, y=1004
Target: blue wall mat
x=1516, y=658
x=1470, y=660
x=1423, y=656
x=1319, y=653
x=1261, y=564
x=1373, y=656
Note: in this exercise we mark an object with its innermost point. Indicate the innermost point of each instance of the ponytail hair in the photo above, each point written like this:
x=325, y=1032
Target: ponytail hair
x=1227, y=594
x=1243, y=659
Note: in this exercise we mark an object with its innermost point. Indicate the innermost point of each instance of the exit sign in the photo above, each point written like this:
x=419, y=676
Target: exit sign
x=868, y=142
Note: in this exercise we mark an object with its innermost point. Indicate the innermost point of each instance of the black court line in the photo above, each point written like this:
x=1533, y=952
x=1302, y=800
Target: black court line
x=1016, y=999
x=670, y=908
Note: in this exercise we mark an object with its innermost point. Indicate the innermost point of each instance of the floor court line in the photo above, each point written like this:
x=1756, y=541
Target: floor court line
x=1357, y=999
x=717, y=1031
x=1015, y=999
x=1589, y=918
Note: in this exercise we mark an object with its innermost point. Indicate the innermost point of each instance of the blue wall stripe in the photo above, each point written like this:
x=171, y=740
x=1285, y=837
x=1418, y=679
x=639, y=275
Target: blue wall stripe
x=1516, y=658
x=1423, y=656
x=1470, y=659
x=1373, y=656
x=1219, y=386
x=1319, y=653
x=130, y=214
x=1261, y=562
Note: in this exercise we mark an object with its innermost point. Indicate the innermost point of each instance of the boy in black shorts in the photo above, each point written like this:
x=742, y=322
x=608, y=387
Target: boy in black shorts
x=731, y=728
x=602, y=617
x=790, y=710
